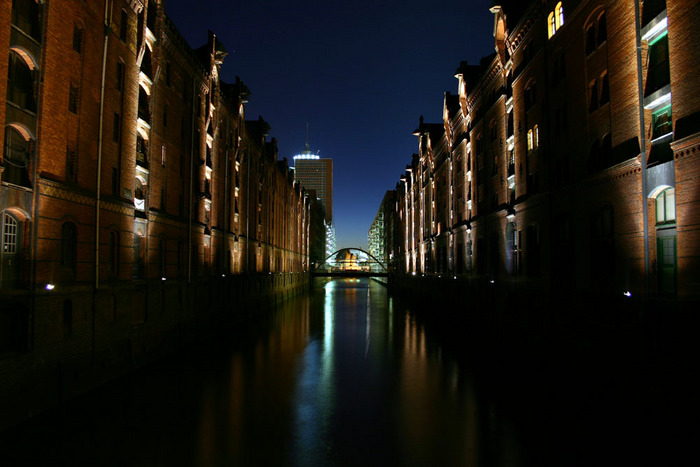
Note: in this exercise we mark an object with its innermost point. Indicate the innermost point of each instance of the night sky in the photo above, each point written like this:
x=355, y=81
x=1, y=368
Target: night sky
x=360, y=74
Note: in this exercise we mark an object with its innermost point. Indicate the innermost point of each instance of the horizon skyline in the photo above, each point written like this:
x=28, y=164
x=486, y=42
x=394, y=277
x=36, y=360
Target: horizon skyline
x=361, y=76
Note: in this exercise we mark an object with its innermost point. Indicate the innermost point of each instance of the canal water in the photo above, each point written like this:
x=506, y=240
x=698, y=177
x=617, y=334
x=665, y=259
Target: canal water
x=348, y=375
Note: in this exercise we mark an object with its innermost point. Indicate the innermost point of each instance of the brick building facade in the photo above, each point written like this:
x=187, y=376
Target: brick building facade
x=135, y=196
x=567, y=160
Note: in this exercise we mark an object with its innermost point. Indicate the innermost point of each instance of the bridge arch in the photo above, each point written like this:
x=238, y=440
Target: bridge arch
x=351, y=259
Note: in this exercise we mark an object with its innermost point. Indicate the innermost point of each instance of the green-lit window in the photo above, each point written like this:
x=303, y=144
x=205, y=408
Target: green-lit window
x=662, y=122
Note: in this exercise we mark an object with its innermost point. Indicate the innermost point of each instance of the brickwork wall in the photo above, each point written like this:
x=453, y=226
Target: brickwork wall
x=167, y=273
x=576, y=224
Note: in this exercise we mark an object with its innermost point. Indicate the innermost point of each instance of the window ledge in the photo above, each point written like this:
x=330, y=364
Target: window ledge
x=658, y=98
x=655, y=27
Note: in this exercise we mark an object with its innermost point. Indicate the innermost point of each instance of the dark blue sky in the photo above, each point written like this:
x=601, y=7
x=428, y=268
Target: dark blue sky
x=360, y=74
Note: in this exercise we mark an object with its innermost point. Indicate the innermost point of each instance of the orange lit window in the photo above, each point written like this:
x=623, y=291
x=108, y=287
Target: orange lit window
x=555, y=20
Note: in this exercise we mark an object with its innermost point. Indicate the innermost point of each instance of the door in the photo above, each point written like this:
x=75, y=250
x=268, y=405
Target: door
x=666, y=263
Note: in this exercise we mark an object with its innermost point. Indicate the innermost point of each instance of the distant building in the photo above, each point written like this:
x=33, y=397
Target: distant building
x=315, y=173
x=381, y=235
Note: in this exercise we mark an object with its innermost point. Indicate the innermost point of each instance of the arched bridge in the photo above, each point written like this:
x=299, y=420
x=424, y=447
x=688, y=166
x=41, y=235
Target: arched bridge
x=350, y=262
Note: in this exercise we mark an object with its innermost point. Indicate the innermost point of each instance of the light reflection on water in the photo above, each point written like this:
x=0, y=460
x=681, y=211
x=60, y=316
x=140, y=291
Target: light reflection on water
x=338, y=378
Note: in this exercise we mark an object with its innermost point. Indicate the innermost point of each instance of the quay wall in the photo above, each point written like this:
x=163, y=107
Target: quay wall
x=510, y=317
x=82, y=338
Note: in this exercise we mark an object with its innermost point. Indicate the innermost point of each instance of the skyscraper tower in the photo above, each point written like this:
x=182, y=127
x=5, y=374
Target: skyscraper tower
x=315, y=173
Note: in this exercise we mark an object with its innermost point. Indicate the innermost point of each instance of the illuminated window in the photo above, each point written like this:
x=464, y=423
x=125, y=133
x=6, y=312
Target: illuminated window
x=555, y=20
x=662, y=122
x=9, y=243
x=666, y=207
x=533, y=137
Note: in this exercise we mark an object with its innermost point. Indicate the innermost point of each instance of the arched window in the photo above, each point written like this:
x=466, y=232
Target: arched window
x=559, y=12
x=9, y=234
x=555, y=20
x=21, y=89
x=69, y=247
x=78, y=37
x=666, y=207
x=17, y=154
x=602, y=29
x=590, y=39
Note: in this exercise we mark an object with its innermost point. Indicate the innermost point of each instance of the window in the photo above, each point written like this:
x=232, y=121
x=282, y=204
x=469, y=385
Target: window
x=530, y=95
x=21, y=89
x=658, y=74
x=69, y=246
x=73, y=97
x=17, y=154
x=590, y=39
x=555, y=20
x=123, y=26
x=71, y=165
x=533, y=138
x=602, y=30
x=9, y=241
x=78, y=38
x=115, y=181
x=116, y=131
x=119, y=78
x=604, y=89
x=666, y=207
x=596, y=34
x=593, y=98
x=662, y=122
x=25, y=16
x=536, y=135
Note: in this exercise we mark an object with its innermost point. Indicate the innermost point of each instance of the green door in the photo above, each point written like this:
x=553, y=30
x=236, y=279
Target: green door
x=666, y=262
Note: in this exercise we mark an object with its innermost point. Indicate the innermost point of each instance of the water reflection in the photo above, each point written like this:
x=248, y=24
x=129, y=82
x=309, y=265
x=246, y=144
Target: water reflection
x=341, y=377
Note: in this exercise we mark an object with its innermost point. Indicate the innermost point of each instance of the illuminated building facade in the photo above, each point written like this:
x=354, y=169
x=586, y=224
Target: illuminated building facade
x=135, y=198
x=566, y=161
x=382, y=232
x=315, y=173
